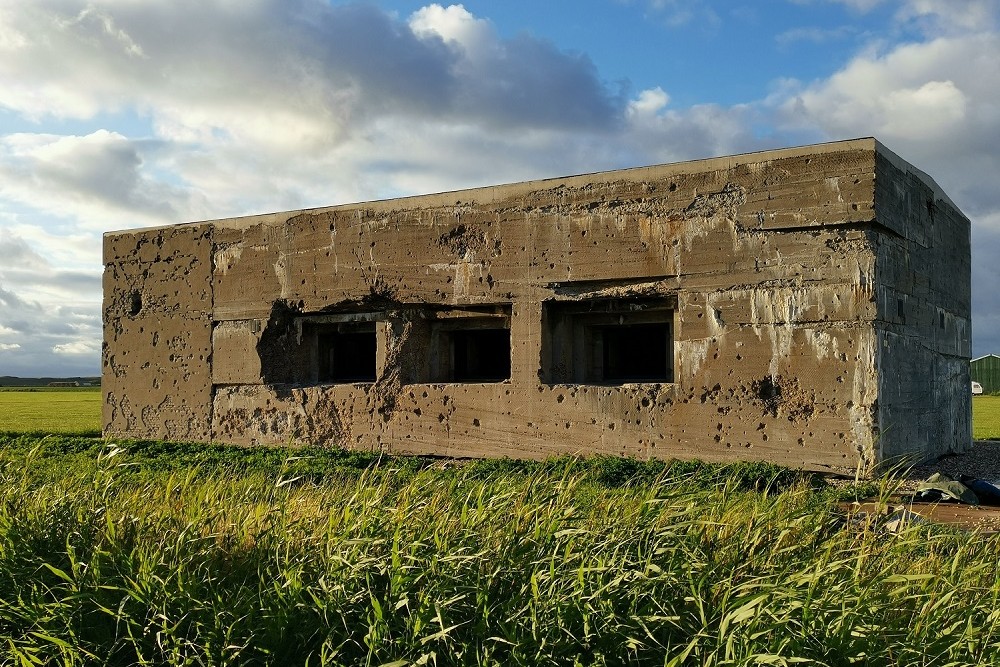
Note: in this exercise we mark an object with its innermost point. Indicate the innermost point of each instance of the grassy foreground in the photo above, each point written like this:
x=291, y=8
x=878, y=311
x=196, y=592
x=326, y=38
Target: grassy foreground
x=132, y=555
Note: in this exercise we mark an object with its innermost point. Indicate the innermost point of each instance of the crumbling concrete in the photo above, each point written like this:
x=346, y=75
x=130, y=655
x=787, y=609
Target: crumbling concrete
x=807, y=306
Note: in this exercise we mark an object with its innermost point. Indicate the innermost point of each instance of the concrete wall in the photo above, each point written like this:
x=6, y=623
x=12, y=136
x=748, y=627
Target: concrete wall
x=924, y=325
x=765, y=271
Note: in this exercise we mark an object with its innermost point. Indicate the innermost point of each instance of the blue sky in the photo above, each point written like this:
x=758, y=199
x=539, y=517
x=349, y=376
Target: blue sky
x=120, y=113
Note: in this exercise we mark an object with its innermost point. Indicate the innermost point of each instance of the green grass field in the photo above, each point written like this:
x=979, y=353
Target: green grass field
x=50, y=410
x=157, y=553
x=986, y=417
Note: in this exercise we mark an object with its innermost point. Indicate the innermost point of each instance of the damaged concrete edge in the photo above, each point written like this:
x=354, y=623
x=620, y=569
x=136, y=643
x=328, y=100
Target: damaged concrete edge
x=905, y=167
x=492, y=194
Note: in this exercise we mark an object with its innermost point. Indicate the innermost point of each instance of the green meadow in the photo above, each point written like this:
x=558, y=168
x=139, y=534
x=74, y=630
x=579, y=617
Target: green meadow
x=50, y=409
x=986, y=417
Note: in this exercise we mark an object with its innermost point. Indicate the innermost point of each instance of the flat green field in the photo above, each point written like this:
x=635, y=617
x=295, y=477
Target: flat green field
x=51, y=410
x=986, y=417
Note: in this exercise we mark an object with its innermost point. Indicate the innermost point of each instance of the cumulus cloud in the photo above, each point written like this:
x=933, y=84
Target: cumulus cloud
x=77, y=347
x=33, y=333
x=246, y=107
x=43, y=307
x=86, y=177
x=936, y=102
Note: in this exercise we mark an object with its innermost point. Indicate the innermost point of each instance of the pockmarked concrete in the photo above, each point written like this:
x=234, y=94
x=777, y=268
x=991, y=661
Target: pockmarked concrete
x=807, y=306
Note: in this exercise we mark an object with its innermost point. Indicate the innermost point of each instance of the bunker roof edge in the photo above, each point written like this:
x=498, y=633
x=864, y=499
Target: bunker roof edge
x=490, y=193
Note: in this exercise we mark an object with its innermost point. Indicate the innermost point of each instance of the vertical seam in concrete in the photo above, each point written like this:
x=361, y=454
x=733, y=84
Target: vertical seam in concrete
x=211, y=333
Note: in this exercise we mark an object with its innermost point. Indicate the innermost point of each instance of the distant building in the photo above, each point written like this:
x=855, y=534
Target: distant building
x=807, y=306
x=986, y=371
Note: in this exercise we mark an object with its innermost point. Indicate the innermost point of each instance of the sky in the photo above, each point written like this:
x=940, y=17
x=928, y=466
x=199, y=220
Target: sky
x=117, y=114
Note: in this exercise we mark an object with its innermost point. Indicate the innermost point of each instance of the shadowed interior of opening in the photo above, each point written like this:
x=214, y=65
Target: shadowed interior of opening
x=608, y=341
x=480, y=355
x=634, y=353
x=347, y=356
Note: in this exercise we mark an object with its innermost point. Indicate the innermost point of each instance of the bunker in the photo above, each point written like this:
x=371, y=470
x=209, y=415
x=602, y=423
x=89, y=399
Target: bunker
x=808, y=306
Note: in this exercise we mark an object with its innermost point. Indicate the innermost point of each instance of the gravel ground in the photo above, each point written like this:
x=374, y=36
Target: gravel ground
x=982, y=461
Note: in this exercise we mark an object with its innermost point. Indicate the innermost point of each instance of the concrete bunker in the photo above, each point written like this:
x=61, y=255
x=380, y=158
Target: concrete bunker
x=808, y=306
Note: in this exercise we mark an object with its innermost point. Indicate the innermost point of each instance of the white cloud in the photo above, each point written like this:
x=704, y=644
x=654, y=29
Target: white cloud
x=937, y=103
x=282, y=104
x=648, y=104
x=455, y=25
x=77, y=347
x=6, y=347
x=88, y=178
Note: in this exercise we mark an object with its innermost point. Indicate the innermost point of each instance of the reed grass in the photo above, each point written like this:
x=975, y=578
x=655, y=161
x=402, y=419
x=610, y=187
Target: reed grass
x=105, y=561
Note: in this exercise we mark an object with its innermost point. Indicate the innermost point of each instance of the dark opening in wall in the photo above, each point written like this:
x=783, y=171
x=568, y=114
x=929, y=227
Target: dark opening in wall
x=635, y=353
x=337, y=348
x=470, y=344
x=480, y=355
x=347, y=356
x=608, y=341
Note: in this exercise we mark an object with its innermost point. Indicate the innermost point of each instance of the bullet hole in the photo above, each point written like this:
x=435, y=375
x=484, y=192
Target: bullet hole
x=135, y=303
x=475, y=422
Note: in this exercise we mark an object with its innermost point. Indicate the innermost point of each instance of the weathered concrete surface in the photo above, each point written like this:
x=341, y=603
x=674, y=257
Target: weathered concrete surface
x=814, y=301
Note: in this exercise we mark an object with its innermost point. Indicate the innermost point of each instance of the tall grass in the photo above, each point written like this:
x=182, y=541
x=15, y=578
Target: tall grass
x=403, y=564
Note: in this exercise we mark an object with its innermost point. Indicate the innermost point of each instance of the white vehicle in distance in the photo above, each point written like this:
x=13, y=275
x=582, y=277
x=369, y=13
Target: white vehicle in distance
x=977, y=389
